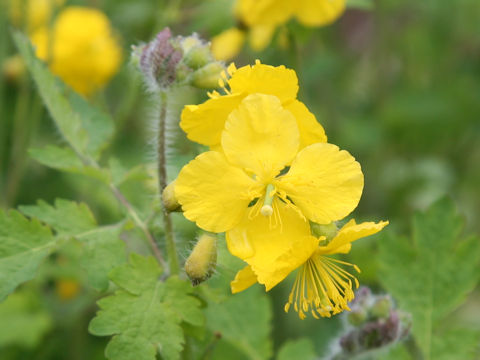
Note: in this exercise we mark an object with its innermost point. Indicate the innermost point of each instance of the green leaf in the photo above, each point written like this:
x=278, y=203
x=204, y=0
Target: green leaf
x=456, y=344
x=145, y=314
x=297, y=349
x=65, y=159
x=66, y=217
x=86, y=129
x=103, y=248
x=24, y=320
x=431, y=274
x=103, y=251
x=243, y=319
x=24, y=245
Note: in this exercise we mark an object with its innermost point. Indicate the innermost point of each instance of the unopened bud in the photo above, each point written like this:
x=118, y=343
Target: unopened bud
x=197, y=52
x=201, y=263
x=327, y=230
x=381, y=308
x=13, y=68
x=169, y=199
x=159, y=59
x=357, y=317
x=208, y=76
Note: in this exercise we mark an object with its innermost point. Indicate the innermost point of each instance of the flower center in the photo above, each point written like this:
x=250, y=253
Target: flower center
x=267, y=209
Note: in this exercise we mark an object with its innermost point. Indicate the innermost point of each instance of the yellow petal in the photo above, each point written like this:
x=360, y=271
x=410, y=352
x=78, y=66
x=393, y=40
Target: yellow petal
x=324, y=182
x=227, y=45
x=204, y=123
x=213, y=193
x=311, y=132
x=319, y=12
x=265, y=79
x=272, y=12
x=261, y=136
x=260, y=36
x=243, y=280
x=350, y=232
x=272, y=251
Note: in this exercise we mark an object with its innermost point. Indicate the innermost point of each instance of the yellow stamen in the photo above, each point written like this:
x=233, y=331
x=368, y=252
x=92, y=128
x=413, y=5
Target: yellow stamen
x=322, y=288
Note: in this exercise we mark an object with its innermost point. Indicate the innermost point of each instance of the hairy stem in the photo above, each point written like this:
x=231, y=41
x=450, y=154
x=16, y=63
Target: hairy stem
x=162, y=183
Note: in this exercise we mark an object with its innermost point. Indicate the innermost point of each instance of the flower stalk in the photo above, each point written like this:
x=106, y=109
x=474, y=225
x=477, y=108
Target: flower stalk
x=162, y=184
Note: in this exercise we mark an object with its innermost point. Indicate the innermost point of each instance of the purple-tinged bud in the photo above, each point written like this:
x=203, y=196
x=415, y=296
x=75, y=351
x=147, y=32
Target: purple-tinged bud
x=159, y=59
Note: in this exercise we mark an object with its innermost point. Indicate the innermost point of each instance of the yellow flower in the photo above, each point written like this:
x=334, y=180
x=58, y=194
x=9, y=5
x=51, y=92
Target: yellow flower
x=322, y=286
x=228, y=44
x=204, y=123
x=261, y=138
x=262, y=17
x=83, y=50
x=276, y=12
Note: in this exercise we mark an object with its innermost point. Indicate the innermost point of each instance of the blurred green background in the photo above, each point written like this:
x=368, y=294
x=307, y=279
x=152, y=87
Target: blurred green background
x=398, y=86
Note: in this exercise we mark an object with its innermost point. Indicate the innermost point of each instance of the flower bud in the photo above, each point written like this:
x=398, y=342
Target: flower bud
x=201, y=263
x=208, y=76
x=159, y=59
x=381, y=308
x=13, y=68
x=169, y=199
x=197, y=52
x=357, y=317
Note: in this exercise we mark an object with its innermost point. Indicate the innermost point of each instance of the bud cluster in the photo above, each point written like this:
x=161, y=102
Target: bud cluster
x=373, y=324
x=167, y=60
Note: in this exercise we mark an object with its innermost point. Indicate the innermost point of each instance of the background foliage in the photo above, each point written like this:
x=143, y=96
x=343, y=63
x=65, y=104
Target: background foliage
x=395, y=83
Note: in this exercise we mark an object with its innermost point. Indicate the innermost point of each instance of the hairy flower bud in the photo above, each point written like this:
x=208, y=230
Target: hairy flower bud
x=169, y=60
x=201, y=263
x=159, y=59
x=168, y=198
x=373, y=324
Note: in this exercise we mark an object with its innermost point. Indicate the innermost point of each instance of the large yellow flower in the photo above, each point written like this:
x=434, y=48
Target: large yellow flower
x=80, y=48
x=204, y=123
x=260, y=163
x=322, y=286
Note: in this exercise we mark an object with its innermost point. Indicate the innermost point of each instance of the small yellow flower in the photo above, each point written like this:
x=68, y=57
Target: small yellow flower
x=261, y=139
x=322, y=287
x=80, y=48
x=32, y=14
x=262, y=17
x=204, y=123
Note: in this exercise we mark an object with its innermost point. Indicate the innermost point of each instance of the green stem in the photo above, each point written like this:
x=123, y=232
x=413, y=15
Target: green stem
x=413, y=348
x=19, y=142
x=162, y=184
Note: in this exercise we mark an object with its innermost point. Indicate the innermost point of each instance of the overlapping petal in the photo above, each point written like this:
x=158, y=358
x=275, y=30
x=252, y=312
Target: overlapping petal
x=319, y=12
x=272, y=251
x=243, y=280
x=324, y=182
x=204, y=123
x=213, y=193
x=265, y=79
x=310, y=130
x=351, y=231
x=261, y=136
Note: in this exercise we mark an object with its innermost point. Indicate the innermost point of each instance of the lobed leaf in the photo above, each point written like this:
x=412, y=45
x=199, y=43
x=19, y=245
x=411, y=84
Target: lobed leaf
x=24, y=245
x=103, y=248
x=431, y=274
x=145, y=314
